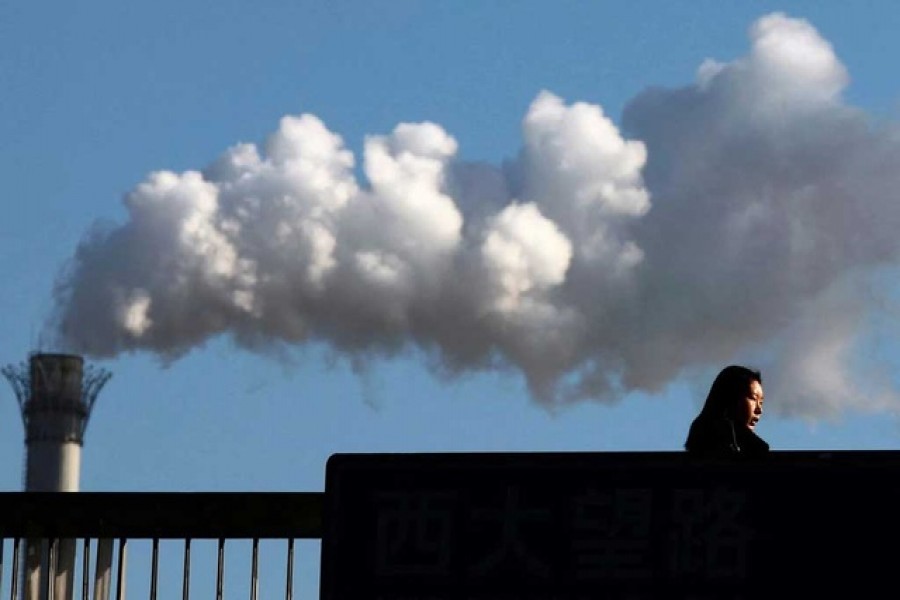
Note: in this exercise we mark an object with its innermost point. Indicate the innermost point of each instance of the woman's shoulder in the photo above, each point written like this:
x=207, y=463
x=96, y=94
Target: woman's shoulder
x=720, y=437
x=751, y=443
x=711, y=435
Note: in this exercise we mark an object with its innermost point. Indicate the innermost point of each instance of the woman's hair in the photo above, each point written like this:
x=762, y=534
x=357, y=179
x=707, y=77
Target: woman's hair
x=731, y=384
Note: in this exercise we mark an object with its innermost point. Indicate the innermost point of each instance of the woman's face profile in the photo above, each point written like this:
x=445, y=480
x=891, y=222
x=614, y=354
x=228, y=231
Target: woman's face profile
x=751, y=406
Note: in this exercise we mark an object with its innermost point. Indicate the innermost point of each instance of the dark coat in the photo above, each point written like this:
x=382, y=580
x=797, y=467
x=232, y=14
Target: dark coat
x=719, y=436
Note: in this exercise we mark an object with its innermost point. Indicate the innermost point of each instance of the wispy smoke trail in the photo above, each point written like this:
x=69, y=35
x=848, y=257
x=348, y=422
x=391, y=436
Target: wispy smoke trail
x=735, y=217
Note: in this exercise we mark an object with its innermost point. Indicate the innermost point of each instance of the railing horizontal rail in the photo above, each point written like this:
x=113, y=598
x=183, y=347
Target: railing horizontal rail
x=162, y=515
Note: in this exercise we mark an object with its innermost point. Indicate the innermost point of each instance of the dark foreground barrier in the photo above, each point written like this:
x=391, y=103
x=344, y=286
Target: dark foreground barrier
x=582, y=526
x=90, y=524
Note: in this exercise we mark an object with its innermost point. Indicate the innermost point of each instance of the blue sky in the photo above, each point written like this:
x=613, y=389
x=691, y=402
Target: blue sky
x=95, y=98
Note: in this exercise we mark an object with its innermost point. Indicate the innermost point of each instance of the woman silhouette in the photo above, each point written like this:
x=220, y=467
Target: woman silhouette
x=726, y=424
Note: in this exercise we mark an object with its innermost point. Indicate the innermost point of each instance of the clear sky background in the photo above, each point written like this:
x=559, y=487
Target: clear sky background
x=94, y=97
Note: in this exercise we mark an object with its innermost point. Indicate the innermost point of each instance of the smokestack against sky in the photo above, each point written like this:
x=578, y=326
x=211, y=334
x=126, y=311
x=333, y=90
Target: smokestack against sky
x=735, y=217
x=56, y=394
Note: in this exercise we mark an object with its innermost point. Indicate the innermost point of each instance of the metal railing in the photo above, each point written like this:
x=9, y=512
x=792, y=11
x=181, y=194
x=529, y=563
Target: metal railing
x=44, y=529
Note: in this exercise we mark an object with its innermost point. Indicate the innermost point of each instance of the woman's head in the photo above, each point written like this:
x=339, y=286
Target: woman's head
x=736, y=394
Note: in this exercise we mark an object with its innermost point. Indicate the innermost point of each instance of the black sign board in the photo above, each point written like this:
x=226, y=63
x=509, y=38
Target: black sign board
x=580, y=526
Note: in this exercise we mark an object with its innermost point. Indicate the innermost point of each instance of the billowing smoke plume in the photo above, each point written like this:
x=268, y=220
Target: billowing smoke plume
x=736, y=217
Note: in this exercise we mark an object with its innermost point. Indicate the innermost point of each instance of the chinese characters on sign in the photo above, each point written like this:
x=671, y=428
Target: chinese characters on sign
x=414, y=533
x=612, y=534
x=709, y=537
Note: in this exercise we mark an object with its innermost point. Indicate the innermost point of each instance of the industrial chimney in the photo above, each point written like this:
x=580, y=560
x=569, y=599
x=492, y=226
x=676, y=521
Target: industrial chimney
x=56, y=394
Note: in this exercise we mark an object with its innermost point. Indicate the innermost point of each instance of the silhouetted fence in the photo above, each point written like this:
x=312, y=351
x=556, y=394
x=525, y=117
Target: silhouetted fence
x=105, y=524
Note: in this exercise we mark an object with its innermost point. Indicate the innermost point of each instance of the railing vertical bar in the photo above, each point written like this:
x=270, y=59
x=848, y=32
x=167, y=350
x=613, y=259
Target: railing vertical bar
x=85, y=568
x=254, y=573
x=50, y=588
x=154, y=569
x=120, y=570
x=220, y=571
x=186, y=578
x=14, y=582
x=289, y=591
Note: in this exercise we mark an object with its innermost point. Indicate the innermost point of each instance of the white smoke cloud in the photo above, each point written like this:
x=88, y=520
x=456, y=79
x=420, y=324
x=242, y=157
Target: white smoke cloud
x=524, y=250
x=769, y=191
x=716, y=228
